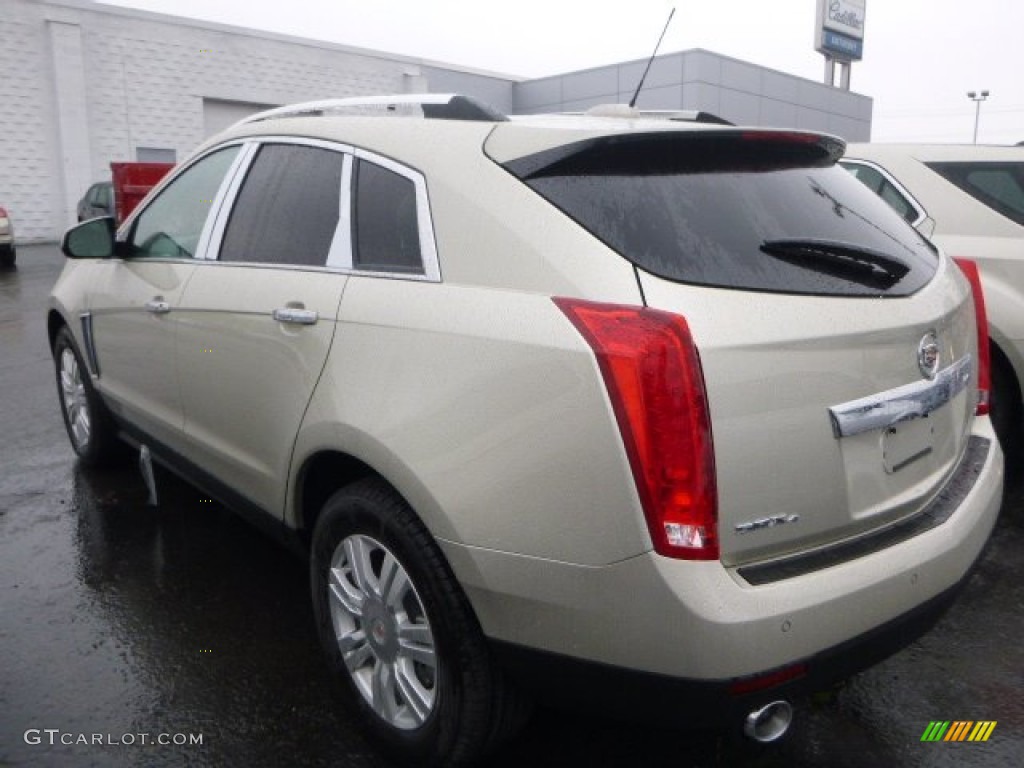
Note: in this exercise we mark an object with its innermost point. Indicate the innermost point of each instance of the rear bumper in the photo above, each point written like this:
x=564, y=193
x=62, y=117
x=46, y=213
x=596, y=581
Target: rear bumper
x=564, y=681
x=694, y=628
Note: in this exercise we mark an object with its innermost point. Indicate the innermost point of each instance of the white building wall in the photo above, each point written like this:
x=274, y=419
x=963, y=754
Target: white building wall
x=84, y=84
x=30, y=166
x=72, y=120
x=148, y=80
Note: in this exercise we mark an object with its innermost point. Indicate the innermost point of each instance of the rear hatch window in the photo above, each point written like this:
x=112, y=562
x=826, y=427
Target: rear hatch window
x=1000, y=186
x=752, y=210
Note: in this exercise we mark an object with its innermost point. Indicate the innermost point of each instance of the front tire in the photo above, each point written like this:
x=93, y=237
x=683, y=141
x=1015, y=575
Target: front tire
x=90, y=427
x=399, y=631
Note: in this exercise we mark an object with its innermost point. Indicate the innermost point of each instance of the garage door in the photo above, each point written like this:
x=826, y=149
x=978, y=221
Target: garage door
x=219, y=114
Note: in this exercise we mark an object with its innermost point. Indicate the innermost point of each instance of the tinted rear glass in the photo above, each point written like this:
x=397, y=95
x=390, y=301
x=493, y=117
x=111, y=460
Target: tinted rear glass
x=386, y=231
x=1000, y=186
x=287, y=209
x=743, y=211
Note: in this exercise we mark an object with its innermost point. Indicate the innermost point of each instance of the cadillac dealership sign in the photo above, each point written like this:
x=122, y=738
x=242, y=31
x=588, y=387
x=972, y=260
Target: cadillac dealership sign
x=840, y=29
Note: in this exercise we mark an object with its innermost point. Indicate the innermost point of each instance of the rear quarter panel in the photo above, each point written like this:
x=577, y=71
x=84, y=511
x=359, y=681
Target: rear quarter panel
x=486, y=411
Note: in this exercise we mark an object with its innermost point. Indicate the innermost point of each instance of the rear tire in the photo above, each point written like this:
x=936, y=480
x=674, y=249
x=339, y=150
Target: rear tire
x=8, y=257
x=400, y=632
x=90, y=426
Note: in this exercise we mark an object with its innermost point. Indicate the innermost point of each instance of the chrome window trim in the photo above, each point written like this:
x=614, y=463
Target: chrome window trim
x=213, y=230
x=922, y=214
x=325, y=270
x=884, y=409
x=340, y=254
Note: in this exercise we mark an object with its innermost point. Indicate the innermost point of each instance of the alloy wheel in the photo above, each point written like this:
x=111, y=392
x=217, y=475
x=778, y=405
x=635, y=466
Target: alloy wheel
x=383, y=632
x=74, y=398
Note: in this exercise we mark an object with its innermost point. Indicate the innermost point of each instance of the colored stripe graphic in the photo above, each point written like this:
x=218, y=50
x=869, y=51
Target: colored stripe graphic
x=935, y=730
x=958, y=730
x=982, y=730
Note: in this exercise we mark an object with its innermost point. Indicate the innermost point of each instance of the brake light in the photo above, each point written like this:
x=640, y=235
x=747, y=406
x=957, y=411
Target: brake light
x=970, y=270
x=653, y=377
x=782, y=137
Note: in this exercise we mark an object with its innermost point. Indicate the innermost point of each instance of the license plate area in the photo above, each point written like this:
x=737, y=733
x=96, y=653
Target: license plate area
x=907, y=442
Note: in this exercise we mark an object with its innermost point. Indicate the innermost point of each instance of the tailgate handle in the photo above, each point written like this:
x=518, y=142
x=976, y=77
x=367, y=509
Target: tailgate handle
x=911, y=401
x=158, y=306
x=296, y=315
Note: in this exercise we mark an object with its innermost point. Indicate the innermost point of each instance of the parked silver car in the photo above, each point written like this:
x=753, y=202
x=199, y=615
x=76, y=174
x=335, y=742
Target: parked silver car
x=98, y=200
x=665, y=419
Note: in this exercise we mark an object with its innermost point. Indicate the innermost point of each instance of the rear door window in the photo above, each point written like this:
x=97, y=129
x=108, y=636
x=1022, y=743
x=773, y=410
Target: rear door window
x=288, y=207
x=747, y=210
x=1000, y=186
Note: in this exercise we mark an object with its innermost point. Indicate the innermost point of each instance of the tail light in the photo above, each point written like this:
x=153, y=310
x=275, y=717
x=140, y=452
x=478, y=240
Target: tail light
x=970, y=270
x=654, y=381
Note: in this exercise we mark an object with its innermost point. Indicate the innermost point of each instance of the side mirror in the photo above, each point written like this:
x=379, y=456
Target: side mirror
x=92, y=239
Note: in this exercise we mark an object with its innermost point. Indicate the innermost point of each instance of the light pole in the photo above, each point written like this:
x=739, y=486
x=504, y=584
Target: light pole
x=977, y=98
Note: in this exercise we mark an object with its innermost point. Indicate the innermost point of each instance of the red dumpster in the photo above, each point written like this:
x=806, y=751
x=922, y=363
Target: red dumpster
x=131, y=183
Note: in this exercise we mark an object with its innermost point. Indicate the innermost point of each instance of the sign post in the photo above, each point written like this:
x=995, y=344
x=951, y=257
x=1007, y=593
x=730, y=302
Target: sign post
x=839, y=36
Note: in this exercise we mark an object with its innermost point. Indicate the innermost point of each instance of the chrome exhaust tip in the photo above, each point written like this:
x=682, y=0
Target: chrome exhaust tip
x=770, y=722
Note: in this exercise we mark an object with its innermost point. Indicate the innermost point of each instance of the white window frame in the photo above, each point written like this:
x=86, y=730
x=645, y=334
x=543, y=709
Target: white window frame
x=340, y=255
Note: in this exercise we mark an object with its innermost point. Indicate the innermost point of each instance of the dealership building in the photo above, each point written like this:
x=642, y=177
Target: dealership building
x=84, y=84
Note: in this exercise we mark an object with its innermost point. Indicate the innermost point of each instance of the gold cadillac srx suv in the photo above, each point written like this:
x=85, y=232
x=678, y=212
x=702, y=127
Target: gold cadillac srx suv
x=659, y=416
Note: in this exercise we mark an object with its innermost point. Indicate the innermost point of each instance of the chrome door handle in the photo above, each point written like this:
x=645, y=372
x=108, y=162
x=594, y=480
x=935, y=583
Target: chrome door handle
x=296, y=316
x=158, y=306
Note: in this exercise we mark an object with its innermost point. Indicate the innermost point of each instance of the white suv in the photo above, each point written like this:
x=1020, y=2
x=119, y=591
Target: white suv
x=970, y=201
x=657, y=416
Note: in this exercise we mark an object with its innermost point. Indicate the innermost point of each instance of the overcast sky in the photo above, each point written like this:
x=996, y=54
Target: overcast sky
x=921, y=57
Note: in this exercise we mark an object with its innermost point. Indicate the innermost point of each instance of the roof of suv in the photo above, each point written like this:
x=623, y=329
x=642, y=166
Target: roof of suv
x=386, y=123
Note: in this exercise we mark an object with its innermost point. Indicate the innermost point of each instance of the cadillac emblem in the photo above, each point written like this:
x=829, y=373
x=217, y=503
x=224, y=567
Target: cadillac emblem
x=928, y=355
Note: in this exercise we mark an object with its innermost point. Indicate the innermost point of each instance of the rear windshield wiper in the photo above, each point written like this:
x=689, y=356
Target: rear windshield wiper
x=847, y=261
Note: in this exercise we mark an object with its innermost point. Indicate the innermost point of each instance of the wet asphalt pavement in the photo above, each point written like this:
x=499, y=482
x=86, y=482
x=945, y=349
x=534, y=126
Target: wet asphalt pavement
x=128, y=624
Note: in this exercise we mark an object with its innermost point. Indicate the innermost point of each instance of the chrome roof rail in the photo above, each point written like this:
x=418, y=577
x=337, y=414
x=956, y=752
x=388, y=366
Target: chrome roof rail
x=443, y=106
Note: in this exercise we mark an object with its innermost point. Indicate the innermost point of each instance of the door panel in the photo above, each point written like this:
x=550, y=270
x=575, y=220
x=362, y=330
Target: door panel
x=134, y=299
x=255, y=326
x=135, y=344
x=246, y=375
